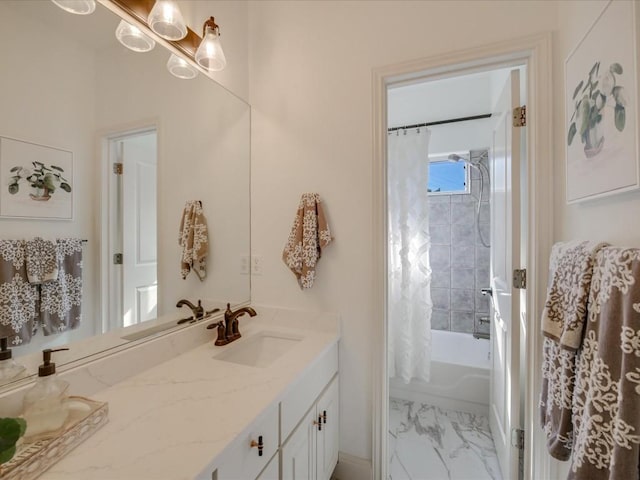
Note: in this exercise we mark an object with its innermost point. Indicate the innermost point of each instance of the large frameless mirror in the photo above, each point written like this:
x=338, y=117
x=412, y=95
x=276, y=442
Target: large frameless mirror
x=69, y=86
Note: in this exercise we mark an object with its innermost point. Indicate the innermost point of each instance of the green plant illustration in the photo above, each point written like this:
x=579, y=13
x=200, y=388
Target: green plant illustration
x=11, y=429
x=43, y=179
x=591, y=98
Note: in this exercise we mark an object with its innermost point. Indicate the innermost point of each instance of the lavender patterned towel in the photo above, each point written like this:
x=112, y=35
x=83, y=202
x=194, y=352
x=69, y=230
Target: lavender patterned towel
x=606, y=403
x=42, y=264
x=17, y=296
x=563, y=319
x=61, y=300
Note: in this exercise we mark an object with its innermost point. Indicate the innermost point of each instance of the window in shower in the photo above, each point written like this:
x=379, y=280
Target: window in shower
x=448, y=177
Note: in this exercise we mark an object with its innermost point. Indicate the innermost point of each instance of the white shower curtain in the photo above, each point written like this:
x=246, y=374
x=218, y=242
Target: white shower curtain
x=409, y=287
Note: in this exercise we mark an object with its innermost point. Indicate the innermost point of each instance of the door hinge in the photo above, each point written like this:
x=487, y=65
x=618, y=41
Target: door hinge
x=520, y=116
x=117, y=259
x=520, y=278
x=517, y=438
x=117, y=168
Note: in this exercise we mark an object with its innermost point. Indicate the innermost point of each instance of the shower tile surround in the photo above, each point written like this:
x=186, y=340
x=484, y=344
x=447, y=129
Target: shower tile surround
x=431, y=443
x=459, y=261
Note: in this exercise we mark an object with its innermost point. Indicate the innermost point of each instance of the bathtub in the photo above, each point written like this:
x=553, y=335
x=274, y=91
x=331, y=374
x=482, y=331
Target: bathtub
x=460, y=374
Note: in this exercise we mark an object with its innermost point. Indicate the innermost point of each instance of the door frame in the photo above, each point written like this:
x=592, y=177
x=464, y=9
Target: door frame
x=534, y=52
x=109, y=275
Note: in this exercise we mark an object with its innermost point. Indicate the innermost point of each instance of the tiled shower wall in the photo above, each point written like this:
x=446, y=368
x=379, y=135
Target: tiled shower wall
x=459, y=261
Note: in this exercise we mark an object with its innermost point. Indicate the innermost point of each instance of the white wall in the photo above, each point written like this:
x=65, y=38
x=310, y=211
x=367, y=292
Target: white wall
x=310, y=82
x=203, y=154
x=442, y=100
x=232, y=17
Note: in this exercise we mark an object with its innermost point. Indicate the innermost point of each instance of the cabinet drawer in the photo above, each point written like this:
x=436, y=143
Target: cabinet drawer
x=304, y=393
x=243, y=462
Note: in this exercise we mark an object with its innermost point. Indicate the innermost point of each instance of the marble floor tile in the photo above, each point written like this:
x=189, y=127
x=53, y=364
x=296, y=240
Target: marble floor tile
x=431, y=443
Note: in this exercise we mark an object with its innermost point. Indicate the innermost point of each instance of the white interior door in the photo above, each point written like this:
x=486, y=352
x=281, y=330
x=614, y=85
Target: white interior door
x=505, y=256
x=139, y=232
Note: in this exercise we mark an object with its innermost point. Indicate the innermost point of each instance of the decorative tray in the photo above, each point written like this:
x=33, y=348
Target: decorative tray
x=32, y=459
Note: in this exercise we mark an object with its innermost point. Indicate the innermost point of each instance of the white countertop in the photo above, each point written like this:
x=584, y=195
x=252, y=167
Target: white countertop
x=171, y=421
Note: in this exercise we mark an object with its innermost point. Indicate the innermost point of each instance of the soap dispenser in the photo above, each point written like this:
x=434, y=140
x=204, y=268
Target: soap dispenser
x=8, y=367
x=45, y=409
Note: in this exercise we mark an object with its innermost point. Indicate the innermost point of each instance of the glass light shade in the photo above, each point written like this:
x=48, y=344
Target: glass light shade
x=132, y=37
x=180, y=68
x=209, y=54
x=79, y=7
x=166, y=20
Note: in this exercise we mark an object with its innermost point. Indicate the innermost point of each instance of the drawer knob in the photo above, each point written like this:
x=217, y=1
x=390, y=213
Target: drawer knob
x=258, y=444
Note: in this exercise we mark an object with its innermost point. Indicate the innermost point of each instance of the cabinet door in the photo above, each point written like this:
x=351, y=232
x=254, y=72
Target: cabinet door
x=327, y=438
x=272, y=470
x=298, y=454
x=242, y=461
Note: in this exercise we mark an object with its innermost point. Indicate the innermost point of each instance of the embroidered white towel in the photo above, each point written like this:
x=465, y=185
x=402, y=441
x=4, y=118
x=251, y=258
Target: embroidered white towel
x=42, y=264
x=309, y=234
x=17, y=296
x=194, y=240
x=606, y=404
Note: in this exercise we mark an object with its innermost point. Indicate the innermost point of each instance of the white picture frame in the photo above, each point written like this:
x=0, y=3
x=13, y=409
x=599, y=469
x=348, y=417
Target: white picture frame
x=601, y=105
x=36, y=181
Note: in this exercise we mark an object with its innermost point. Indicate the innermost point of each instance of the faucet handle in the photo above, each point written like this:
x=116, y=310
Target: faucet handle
x=222, y=333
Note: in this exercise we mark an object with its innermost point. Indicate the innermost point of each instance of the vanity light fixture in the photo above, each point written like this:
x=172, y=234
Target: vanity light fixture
x=180, y=68
x=209, y=54
x=133, y=38
x=166, y=20
x=78, y=7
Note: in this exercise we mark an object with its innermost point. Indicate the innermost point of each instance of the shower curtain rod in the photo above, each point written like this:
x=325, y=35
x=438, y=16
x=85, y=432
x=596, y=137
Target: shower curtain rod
x=440, y=122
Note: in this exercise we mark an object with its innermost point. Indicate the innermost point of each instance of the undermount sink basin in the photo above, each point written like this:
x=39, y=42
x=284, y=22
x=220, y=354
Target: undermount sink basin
x=259, y=350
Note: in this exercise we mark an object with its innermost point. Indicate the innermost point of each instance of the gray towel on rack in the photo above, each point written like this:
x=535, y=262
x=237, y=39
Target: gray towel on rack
x=606, y=402
x=17, y=296
x=61, y=300
x=563, y=319
x=41, y=259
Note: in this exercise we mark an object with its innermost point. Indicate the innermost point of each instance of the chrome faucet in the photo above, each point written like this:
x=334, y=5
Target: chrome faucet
x=228, y=330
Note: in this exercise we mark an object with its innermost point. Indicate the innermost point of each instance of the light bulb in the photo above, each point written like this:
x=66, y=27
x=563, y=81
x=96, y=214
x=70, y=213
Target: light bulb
x=78, y=7
x=132, y=37
x=180, y=68
x=209, y=54
x=166, y=20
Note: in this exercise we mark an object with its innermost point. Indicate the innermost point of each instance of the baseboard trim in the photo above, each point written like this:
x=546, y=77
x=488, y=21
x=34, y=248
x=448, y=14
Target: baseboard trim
x=351, y=467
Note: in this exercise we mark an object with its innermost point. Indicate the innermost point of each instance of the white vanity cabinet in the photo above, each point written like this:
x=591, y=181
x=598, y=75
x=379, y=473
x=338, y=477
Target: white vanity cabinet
x=311, y=452
x=308, y=424
x=252, y=450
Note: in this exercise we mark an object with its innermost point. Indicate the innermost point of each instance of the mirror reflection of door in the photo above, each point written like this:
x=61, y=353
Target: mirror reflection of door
x=134, y=220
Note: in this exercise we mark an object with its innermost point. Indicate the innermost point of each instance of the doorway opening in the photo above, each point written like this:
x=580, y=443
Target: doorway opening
x=447, y=204
x=131, y=219
x=532, y=242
